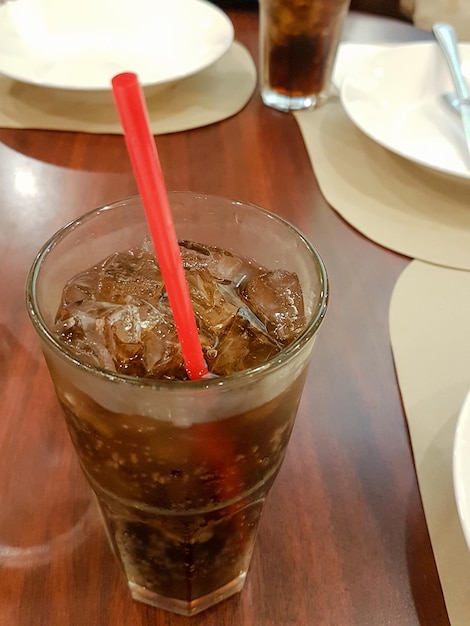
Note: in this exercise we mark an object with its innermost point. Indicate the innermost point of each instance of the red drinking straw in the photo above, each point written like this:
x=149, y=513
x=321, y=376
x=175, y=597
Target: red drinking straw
x=130, y=103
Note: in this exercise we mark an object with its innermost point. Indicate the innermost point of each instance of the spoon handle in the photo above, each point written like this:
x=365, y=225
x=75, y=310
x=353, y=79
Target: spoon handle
x=447, y=39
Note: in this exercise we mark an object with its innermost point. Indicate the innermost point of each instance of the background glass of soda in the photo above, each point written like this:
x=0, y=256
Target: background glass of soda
x=298, y=44
x=180, y=469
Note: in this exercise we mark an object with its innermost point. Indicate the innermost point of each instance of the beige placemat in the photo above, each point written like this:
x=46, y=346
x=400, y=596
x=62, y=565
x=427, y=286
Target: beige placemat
x=209, y=96
x=390, y=200
x=425, y=13
x=430, y=336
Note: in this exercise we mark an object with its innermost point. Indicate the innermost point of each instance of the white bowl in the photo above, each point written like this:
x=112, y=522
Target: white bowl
x=82, y=44
x=461, y=467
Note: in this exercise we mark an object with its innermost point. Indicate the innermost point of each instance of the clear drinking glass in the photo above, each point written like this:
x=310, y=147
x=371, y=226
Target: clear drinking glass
x=180, y=469
x=298, y=44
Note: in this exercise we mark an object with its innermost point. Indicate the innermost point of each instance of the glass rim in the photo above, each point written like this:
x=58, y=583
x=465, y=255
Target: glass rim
x=273, y=363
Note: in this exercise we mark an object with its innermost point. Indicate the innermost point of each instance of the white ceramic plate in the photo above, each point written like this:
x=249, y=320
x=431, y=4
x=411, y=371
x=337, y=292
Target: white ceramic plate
x=82, y=44
x=394, y=97
x=461, y=467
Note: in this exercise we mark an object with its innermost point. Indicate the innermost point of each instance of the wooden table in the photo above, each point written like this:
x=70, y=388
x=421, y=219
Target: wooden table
x=343, y=539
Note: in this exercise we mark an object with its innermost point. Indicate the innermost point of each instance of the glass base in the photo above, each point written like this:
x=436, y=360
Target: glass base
x=282, y=102
x=182, y=607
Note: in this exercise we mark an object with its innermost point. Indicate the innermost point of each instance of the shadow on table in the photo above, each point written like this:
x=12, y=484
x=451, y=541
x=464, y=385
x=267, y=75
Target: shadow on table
x=103, y=154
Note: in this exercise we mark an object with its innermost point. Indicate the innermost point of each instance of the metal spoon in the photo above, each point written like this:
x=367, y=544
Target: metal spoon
x=452, y=102
x=447, y=39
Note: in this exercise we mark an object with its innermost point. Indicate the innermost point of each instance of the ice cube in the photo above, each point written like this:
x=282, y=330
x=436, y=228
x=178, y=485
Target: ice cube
x=116, y=315
x=212, y=308
x=135, y=338
x=126, y=274
x=142, y=340
x=81, y=287
x=118, y=276
x=275, y=297
x=241, y=346
x=81, y=327
x=223, y=265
